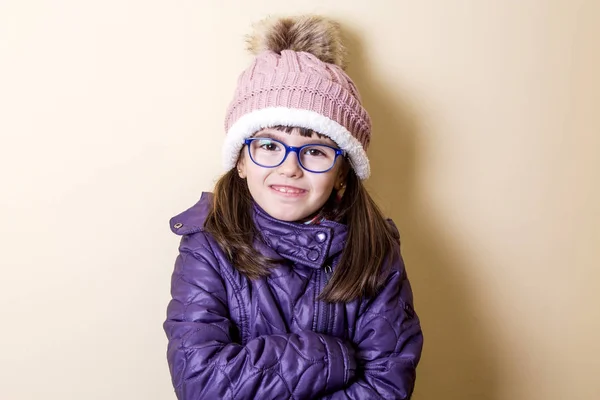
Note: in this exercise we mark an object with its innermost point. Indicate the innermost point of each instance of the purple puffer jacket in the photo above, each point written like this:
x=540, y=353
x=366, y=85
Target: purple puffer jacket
x=271, y=338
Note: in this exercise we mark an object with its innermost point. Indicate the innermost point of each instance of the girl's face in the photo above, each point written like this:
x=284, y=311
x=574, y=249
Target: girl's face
x=288, y=192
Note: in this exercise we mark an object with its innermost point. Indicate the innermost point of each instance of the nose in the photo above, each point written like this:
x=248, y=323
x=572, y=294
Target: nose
x=290, y=166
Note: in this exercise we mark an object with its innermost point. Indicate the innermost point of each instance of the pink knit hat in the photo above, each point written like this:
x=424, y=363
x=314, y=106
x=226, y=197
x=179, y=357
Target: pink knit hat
x=297, y=79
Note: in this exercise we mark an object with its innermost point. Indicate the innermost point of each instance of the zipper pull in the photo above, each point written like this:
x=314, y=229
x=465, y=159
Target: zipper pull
x=327, y=269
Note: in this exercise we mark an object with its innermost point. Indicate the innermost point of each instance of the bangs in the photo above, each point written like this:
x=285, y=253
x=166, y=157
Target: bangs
x=305, y=132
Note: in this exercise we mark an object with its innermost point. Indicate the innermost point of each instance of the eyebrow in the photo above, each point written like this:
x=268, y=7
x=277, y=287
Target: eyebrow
x=275, y=134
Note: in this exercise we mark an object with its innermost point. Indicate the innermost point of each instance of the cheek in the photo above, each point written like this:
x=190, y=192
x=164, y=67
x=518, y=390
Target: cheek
x=324, y=184
x=326, y=181
x=256, y=176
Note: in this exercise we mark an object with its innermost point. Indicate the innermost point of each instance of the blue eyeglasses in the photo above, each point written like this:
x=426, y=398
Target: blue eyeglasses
x=271, y=153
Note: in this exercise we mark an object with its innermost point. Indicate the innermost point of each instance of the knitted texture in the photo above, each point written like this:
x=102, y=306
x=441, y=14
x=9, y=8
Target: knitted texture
x=297, y=89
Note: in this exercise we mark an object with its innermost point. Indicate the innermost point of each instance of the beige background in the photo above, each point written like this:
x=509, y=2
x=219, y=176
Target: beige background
x=485, y=151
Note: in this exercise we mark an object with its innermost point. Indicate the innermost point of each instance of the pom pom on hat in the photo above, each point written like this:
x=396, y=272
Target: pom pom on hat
x=312, y=34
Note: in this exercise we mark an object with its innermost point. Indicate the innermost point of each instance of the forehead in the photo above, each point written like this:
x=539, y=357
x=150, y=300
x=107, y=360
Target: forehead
x=299, y=135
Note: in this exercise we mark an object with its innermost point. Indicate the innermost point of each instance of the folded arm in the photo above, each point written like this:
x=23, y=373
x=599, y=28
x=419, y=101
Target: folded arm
x=207, y=363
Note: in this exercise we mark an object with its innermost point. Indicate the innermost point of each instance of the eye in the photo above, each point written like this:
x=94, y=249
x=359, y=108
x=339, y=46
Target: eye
x=314, y=152
x=268, y=145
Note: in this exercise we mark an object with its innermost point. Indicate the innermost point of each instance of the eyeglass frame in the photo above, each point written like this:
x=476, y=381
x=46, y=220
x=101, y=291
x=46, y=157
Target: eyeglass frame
x=297, y=150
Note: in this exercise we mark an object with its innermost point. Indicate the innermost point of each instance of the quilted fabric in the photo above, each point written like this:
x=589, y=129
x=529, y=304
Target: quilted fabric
x=271, y=338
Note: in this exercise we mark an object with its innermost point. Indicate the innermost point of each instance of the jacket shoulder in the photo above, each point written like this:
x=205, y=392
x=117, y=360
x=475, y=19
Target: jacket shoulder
x=192, y=220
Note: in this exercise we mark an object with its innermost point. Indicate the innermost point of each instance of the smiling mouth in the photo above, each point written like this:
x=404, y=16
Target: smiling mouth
x=289, y=190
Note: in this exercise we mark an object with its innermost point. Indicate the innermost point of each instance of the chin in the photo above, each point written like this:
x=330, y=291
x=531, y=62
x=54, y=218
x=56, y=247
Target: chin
x=286, y=216
x=288, y=212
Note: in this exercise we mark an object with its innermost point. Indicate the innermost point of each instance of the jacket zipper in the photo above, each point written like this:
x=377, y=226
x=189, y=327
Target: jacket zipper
x=324, y=306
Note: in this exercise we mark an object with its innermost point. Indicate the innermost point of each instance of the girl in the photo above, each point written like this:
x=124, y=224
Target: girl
x=289, y=283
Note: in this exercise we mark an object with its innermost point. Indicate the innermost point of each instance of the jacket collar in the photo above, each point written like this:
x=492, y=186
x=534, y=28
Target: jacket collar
x=309, y=245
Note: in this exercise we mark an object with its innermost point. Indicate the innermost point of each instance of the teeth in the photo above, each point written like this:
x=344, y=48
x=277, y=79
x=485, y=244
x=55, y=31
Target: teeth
x=286, y=190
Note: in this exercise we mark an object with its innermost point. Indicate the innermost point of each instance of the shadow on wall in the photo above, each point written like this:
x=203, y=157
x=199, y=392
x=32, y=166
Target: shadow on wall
x=455, y=363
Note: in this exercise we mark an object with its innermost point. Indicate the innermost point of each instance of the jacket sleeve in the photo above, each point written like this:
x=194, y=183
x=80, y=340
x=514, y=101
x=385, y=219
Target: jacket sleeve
x=388, y=341
x=206, y=362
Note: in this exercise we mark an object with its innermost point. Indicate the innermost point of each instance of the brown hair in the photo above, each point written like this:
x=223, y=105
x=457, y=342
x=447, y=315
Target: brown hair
x=370, y=237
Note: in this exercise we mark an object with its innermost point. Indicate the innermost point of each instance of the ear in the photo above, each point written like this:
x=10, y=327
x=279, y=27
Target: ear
x=340, y=181
x=241, y=166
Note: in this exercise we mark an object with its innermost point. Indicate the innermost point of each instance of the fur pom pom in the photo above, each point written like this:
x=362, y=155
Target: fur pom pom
x=308, y=33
